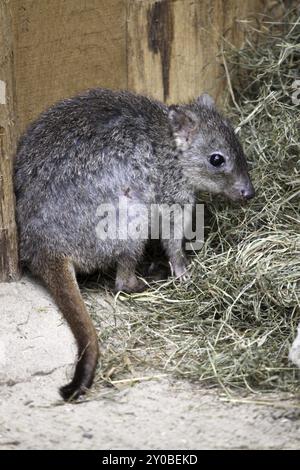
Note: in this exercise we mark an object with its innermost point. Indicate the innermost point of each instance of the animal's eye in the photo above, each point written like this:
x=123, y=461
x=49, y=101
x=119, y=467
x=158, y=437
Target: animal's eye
x=216, y=159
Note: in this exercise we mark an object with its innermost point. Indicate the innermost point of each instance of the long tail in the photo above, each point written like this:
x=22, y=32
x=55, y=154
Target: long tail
x=59, y=276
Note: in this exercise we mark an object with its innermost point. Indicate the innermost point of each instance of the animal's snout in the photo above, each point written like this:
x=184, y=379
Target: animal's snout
x=248, y=192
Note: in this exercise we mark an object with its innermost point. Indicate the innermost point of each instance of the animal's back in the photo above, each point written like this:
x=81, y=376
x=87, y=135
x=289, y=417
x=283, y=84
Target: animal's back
x=83, y=131
x=80, y=153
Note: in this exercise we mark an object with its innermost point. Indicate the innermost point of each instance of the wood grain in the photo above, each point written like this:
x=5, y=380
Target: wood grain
x=189, y=62
x=66, y=46
x=8, y=126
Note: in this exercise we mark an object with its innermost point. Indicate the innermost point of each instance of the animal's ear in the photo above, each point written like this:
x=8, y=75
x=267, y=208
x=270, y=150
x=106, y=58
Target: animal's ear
x=184, y=124
x=206, y=100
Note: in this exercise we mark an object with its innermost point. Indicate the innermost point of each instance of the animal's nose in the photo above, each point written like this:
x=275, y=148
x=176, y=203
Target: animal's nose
x=248, y=192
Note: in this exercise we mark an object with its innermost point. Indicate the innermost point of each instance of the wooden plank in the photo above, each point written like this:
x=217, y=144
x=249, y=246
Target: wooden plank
x=8, y=234
x=64, y=47
x=167, y=50
x=173, y=45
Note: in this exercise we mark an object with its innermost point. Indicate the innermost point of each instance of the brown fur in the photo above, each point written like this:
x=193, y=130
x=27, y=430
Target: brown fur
x=59, y=276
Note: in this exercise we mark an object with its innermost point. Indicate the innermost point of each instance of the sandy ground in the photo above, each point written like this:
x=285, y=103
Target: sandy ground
x=36, y=356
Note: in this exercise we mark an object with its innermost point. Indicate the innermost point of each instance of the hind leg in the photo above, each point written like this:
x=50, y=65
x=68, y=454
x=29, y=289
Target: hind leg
x=126, y=279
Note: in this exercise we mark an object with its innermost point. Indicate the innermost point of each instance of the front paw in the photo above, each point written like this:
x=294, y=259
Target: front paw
x=131, y=285
x=181, y=271
x=186, y=276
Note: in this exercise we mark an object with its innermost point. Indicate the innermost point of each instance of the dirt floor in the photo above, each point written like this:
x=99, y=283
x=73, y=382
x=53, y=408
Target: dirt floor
x=36, y=357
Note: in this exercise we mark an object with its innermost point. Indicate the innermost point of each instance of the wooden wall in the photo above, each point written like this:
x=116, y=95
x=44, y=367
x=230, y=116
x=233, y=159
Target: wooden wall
x=173, y=45
x=8, y=131
x=65, y=46
x=163, y=48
